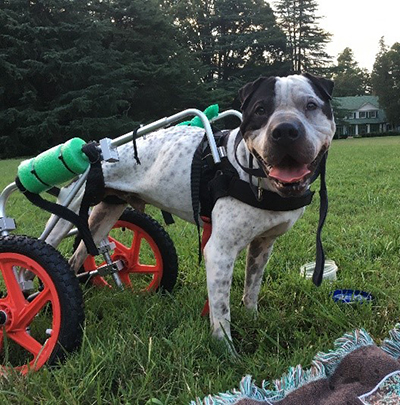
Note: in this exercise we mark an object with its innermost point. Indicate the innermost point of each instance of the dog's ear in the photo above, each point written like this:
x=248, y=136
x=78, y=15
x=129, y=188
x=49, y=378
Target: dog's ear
x=325, y=86
x=248, y=89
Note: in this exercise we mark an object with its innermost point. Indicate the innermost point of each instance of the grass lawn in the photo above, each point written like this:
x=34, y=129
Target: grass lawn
x=156, y=349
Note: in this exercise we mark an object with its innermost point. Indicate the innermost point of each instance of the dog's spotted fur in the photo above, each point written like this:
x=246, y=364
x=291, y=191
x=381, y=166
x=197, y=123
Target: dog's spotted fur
x=163, y=180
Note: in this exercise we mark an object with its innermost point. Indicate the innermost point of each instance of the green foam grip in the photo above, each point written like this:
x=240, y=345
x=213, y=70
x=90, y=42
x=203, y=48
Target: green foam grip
x=210, y=112
x=54, y=166
x=28, y=180
x=73, y=156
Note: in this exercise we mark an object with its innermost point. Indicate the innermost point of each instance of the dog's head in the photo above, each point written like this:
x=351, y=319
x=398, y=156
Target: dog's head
x=288, y=125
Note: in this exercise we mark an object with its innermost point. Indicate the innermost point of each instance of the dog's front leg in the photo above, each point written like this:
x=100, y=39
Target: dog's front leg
x=219, y=267
x=101, y=221
x=258, y=254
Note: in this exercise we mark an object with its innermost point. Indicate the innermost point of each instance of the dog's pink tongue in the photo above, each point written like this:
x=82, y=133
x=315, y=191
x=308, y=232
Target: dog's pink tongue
x=289, y=174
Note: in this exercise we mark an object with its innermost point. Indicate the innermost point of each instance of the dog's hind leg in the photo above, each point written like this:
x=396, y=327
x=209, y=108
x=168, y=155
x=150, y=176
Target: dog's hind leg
x=258, y=254
x=101, y=221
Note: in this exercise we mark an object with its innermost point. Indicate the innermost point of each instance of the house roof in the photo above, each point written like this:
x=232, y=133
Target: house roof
x=356, y=102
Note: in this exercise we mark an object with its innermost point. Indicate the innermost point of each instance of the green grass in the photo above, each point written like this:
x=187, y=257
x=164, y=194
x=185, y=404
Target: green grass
x=157, y=349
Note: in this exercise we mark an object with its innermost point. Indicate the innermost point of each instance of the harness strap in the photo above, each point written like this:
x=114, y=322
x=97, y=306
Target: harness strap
x=54, y=191
x=323, y=210
x=257, y=172
x=135, y=150
x=94, y=189
x=62, y=212
x=195, y=178
x=227, y=184
x=168, y=218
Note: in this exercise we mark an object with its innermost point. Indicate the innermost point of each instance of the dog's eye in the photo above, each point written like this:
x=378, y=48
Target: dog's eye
x=260, y=110
x=311, y=106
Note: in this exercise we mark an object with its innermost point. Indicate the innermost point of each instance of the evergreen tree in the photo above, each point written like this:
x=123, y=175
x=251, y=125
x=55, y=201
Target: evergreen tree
x=54, y=74
x=236, y=40
x=350, y=79
x=306, y=41
x=386, y=80
x=89, y=69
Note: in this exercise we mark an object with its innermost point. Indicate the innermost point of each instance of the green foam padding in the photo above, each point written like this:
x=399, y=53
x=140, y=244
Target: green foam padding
x=28, y=180
x=51, y=169
x=73, y=156
x=210, y=112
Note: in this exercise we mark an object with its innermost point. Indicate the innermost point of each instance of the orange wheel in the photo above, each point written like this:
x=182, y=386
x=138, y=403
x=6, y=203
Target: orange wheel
x=41, y=307
x=146, y=250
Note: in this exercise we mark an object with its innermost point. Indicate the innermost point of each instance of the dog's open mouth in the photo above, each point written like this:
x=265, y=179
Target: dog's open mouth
x=290, y=177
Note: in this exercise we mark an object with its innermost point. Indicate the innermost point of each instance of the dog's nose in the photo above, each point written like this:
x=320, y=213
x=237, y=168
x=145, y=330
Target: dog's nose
x=286, y=133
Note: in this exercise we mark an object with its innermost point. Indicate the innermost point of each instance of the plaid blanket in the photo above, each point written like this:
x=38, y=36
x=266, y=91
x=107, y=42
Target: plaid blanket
x=355, y=372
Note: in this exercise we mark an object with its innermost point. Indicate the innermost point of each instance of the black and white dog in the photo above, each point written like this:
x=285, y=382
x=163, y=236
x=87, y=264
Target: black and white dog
x=287, y=126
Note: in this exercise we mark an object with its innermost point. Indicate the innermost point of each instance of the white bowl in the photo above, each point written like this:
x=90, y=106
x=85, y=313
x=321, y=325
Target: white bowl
x=330, y=270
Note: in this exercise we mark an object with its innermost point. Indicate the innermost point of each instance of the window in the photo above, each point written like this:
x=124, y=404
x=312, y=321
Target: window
x=372, y=114
x=362, y=114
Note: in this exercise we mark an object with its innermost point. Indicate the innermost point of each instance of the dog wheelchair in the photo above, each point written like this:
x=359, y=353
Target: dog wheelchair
x=41, y=302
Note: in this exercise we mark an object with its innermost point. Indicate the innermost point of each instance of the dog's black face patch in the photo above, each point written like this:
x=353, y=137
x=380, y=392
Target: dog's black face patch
x=323, y=88
x=258, y=103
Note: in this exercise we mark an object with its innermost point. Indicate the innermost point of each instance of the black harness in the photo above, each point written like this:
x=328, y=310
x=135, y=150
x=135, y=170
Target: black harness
x=210, y=181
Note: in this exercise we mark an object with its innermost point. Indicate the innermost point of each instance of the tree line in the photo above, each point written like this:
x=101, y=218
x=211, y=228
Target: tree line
x=96, y=68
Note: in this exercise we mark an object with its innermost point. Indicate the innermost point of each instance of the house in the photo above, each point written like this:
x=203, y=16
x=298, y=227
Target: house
x=359, y=115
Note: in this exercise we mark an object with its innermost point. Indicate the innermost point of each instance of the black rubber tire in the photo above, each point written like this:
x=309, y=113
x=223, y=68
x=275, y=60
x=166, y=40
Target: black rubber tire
x=161, y=239
x=65, y=283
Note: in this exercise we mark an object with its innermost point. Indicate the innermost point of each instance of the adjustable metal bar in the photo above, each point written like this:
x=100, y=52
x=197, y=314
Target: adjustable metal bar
x=68, y=199
x=7, y=224
x=4, y=196
x=163, y=122
x=105, y=248
x=227, y=113
x=72, y=232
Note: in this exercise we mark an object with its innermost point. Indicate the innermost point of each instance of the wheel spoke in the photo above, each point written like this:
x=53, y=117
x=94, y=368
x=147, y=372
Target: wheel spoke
x=120, y=247
x=146, y=269
x=26, y=341
x=14, y=292
x=32, y=309
x=124, y=276
x=133, y=252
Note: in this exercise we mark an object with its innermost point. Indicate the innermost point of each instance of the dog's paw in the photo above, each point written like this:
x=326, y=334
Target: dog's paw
x=223, y=335
x=226, y=347
x=251, y=308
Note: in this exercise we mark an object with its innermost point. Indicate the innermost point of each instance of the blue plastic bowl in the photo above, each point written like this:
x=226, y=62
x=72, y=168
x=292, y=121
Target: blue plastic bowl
x=352, y=296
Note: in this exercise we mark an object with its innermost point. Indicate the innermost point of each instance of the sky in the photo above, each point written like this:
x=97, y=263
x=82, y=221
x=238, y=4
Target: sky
x=359, y=24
